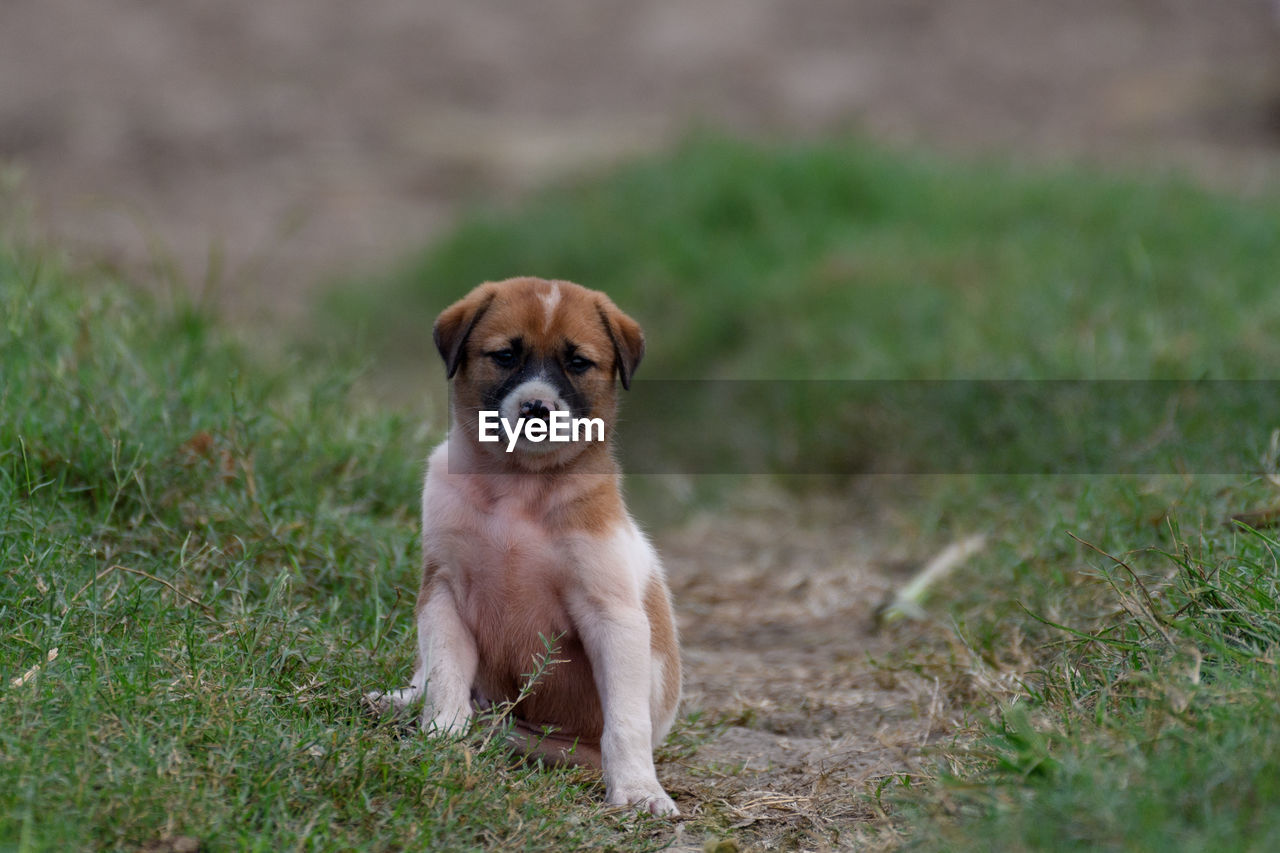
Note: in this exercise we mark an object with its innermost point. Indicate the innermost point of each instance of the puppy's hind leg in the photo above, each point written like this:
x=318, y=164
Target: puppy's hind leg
x=556, y=749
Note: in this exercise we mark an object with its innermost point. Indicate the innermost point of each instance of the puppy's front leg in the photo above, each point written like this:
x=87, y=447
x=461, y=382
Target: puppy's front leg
x=447, y=660
x=616, y=638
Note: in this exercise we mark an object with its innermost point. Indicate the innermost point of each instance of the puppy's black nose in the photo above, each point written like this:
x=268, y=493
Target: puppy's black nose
x=535, y=410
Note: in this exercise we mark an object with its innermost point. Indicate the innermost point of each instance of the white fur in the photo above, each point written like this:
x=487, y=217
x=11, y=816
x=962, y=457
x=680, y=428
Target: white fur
x=550, y=300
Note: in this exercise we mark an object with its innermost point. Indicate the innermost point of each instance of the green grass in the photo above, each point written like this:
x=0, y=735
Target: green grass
x=222, y=557
x=1163, y=732
x=223, y=552
x=843, y=261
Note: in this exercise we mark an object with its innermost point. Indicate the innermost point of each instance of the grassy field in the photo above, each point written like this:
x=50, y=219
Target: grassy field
x=196, y=567
x=205, y=559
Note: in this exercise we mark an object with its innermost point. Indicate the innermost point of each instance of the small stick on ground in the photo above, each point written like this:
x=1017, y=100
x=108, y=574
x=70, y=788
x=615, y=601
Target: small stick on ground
x=907, y=602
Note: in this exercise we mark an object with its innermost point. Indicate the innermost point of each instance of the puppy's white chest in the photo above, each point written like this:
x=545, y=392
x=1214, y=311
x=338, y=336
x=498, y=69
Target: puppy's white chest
x=506, y=569
x=504, y=546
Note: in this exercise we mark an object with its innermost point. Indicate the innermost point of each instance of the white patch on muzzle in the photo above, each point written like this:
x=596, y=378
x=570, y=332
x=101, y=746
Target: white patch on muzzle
x=533, y=391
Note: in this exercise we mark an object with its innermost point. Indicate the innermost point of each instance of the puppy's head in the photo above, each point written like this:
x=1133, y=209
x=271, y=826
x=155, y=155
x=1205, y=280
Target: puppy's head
x=528, y=348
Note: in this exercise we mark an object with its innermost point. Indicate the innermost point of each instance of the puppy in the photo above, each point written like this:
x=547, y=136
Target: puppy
x=526, y=541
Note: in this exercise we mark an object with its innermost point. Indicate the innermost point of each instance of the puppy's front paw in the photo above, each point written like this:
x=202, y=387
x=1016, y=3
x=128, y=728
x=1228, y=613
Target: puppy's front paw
x=450, y=723
x=645, y=796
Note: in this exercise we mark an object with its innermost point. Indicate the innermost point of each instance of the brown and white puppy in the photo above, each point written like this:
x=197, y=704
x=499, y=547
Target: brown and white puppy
x=534, y=543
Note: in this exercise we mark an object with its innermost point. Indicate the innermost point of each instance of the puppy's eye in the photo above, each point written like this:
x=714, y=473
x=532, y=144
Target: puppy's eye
x=503, y=357
x=578, y=364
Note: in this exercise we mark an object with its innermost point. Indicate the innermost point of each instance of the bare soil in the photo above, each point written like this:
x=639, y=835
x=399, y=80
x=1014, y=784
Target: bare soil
x=807, y=703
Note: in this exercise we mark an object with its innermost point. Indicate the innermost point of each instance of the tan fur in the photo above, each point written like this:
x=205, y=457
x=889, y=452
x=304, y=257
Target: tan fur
x=518, y=547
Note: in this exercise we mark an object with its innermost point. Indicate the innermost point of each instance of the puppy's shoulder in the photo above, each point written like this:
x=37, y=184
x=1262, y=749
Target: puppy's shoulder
x=445, y=502
x=621, y=557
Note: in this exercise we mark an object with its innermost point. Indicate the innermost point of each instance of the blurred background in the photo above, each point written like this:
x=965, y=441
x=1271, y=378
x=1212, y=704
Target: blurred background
x=252, y=150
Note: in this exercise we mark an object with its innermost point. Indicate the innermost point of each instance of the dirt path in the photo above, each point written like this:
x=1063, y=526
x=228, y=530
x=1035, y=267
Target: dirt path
x=267, y=145
x=808, y=703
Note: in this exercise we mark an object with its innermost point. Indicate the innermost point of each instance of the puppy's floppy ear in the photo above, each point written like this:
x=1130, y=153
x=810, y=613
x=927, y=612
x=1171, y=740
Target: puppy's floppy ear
x=627, y=338
x=454, y=326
